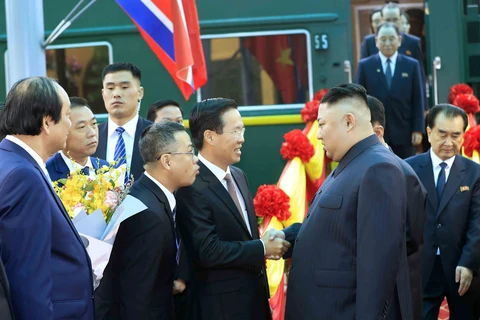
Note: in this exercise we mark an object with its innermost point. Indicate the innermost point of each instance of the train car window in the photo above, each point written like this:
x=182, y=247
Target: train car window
x=258, y=69
x=78, y=69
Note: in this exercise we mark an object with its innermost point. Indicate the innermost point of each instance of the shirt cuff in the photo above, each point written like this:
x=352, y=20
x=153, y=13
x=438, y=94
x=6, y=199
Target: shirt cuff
x=264, y=249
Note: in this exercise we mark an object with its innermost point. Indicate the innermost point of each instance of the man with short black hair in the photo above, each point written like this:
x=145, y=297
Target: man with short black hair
x=165, y=110
x=375, y=19
x=395, y=80
x=451, y=254
x=416, y=197
x=81, y=143
x=218, y=225
x=349, y=259
x=48, y=268
x=138, y=279
x=118, y=136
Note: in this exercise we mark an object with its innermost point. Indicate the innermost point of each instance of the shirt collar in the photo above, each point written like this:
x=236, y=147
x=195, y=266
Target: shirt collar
x=170, y=197
x=436, y=160
x=30, y=151
x=217, y=171
x=129, y=127
x=393, y=58
x=72, y=165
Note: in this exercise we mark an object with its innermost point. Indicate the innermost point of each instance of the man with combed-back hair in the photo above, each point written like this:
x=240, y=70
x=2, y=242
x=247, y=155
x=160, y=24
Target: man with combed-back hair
x=138, y=280
x=48, y=268
x=349, y=260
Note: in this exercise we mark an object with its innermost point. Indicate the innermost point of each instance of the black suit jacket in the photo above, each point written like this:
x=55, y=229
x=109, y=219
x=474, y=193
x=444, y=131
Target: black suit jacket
x=6, y=311
x=136, y=168
x=404, y=100
x=350, y=259
x=228, y=279
x=416, y=201
x=138, y=279
x=411, y=47
x=453, y=224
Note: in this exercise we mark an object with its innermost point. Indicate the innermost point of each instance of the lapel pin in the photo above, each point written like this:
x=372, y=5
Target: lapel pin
x=378, y=70
x=464, y=188
x=408, y=53
x=404, y=75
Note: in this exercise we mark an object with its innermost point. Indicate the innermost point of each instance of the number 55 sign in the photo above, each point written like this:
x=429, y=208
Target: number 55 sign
x=321, y=41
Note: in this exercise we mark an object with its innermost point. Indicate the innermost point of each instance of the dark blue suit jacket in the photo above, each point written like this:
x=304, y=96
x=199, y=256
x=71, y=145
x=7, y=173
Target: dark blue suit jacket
x=453, y=223
x=136, y=167
x=48, y=268
x=350, y=259
x=410, y=47
x=58, y=169
x=404, y=100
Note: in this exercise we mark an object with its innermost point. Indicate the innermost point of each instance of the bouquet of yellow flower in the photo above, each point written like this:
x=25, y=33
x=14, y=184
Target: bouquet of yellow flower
x=97, y=206
x=80, y=192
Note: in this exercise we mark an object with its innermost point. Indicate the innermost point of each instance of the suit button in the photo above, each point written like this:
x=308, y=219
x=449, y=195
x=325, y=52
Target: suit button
x=439, y=226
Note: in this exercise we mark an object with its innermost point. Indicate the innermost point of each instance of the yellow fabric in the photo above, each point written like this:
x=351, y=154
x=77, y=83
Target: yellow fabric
x=275, y=268
x=293, y=183
x=314, y=168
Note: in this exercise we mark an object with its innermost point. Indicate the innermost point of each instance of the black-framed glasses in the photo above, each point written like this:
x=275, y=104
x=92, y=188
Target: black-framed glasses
x=192, y=153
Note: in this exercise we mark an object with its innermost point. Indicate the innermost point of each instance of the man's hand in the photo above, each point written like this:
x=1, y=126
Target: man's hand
x=179, y=286
x=275, y=245
x=464, y=275
x=416, y=138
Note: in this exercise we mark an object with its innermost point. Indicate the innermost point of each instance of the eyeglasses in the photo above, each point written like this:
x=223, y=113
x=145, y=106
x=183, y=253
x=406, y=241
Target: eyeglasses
x=192, y=153
x=237, y=133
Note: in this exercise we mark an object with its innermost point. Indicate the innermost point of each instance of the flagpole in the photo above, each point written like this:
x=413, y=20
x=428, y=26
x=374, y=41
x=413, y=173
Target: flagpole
x=25, y=36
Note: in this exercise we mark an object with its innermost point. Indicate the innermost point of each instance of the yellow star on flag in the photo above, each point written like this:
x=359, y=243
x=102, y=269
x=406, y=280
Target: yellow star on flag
x=284, y=58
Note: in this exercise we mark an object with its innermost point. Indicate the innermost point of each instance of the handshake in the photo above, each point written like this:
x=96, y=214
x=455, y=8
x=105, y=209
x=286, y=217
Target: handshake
x=275, y=244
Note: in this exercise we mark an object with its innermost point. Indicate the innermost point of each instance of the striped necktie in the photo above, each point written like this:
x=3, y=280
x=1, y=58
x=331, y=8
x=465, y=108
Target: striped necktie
x=120, y=154
x=177, y=241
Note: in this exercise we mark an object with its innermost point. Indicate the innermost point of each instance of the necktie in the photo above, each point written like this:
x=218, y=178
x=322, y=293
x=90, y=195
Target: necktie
x=177, y=241
x=120, y=154
x=388, y=73
x=85, y=171
x=233, y=194
x=441, y=180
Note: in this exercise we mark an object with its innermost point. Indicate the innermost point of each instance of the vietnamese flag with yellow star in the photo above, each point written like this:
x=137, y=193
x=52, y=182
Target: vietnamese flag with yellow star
x=284, y=59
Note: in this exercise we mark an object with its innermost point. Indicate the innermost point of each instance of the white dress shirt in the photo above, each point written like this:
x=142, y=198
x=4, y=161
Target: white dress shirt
x=436, y=170
x=128, y=136
x=73, y=166
x=393, y=62
x=220, y=174
x=170, y=197
x=31, y=152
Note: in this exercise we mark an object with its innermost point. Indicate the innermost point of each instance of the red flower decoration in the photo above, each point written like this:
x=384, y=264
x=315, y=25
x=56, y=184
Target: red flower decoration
x=310, y=111
x=471, y=140
x=319, y=94
x=468, y=102
x=457, y=89
x=272, y=201
x=297, y=145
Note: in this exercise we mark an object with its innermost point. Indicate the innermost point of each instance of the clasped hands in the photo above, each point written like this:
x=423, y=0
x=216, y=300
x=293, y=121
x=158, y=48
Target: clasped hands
x=275, y=244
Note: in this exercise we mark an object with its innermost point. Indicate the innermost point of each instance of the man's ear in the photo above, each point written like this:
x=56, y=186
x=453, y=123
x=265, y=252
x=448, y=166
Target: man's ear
x=379, y=131
x=429, y=132
x=165, y=162
x=209, y=137
x=349, y=121
x=47, y=124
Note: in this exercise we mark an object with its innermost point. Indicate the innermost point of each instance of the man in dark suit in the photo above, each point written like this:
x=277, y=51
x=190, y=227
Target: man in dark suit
x=410, y=45
x=218, y=225
x=119, y=135
x=138, y=279
x=416, y=197
x=6, y=312
x=452, y=238
x=395, y=80
x=349, y=260
x=47, y=266
x=81, y=144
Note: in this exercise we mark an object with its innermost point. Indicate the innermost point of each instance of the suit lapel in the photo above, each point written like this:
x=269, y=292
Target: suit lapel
x=95, y=163
x=102, y=141
x=379, y=71
x=426, y=176
x=243, y=187
x=136, y=159
x=60, y=165
x=455, y=178
x=219, y=190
